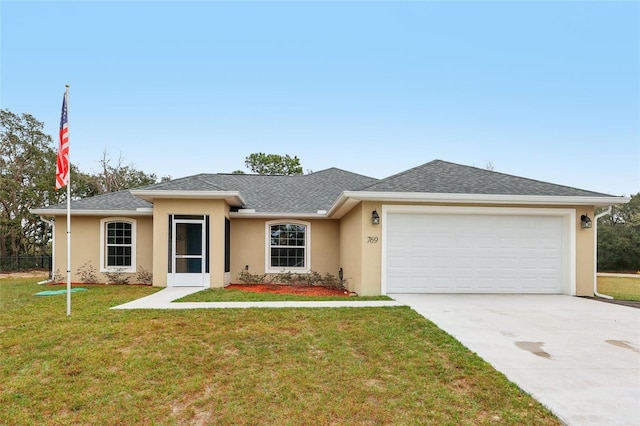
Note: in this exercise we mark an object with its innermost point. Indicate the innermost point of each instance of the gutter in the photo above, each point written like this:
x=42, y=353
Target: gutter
x=595, y=251
x=354, y=197
x=53, y=248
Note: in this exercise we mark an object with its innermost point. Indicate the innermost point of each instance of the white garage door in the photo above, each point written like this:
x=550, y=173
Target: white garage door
x=479, y=253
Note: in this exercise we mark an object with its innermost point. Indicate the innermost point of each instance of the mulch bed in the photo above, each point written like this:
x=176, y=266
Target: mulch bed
x=303, y=290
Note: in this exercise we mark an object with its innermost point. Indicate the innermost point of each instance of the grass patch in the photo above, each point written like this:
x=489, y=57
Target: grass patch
x=622, y=288
x=239, y=366
x=232, y=295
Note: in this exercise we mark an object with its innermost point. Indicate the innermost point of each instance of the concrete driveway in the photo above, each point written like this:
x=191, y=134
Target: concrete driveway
x=578, y=357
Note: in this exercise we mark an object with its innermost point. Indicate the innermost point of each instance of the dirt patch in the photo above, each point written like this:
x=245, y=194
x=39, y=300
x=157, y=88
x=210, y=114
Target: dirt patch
x=25, y=274
x=304, y=290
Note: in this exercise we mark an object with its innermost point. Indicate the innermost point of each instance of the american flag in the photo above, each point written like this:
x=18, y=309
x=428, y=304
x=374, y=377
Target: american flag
x=62, y=165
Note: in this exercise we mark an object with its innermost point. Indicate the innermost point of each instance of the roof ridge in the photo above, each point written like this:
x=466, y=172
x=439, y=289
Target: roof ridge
x=341, y=170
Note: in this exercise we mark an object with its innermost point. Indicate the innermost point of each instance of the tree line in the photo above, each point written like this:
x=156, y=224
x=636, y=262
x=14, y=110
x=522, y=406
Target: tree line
x=27, y=174
x=27, y=170
x=619, y=238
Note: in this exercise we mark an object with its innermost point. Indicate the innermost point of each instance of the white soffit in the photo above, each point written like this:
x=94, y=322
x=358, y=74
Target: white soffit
x=231, y=197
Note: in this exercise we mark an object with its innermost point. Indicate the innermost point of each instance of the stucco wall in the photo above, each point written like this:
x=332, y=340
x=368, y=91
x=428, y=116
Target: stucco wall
x=365, y=278
x=353, y=243
x=248, y=246
x=351, y=248
x=217, y=211
x=585, y=255
x=85, y=245
x=371, y=251
x=325, y=246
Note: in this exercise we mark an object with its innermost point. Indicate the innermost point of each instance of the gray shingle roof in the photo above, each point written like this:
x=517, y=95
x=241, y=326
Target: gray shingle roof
x=442, y=177
x=200, y=182
x=318, y=191
x=284, y=194
x=121, y=200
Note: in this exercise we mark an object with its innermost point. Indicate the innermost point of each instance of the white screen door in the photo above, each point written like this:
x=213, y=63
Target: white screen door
x=188, y=242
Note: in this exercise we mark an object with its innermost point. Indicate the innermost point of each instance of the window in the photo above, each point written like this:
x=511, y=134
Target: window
x=118, y=249
x=287, y=247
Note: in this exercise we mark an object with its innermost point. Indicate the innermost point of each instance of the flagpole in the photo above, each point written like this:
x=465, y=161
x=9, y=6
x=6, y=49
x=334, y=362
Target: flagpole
x=66, y=95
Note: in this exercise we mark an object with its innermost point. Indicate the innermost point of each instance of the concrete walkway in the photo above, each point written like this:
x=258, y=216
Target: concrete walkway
x=164, y=299
x=578, y=357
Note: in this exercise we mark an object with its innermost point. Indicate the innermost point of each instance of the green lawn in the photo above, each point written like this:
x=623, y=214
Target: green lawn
x=258, y=366
x=233, y=295
x=622, y=288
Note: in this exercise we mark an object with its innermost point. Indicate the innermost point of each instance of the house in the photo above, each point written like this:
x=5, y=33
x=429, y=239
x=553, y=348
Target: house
x=436, y=228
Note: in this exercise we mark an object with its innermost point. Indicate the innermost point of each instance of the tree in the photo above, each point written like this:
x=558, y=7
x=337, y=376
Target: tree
x=110, y=178
x=120, y=176
x=27, y=180
x=625, y=213
x=619, y=238
x=273, y=164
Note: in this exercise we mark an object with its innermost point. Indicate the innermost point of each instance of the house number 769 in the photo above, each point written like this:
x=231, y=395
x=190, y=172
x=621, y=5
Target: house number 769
x=372, y=240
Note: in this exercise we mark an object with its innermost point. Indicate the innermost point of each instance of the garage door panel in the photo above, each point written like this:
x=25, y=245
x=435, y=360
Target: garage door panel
x=436, y=253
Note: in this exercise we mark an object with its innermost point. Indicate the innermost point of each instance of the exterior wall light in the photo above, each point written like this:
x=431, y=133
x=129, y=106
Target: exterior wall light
x=585, y=221
x=375, y=218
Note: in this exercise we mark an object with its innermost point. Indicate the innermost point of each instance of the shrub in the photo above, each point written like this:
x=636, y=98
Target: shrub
x=248, y=278
x=117, y=277
x=57, y=277
x=87, y=273
x=330, y=280
x=144, y=276
x=312, y=278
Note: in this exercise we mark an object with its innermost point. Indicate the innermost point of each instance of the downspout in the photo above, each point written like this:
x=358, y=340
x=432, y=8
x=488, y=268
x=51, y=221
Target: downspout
x=595, y=252
x=53, y=248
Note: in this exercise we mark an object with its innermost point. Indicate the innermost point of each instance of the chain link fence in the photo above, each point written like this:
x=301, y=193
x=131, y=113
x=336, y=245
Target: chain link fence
x=24, y=263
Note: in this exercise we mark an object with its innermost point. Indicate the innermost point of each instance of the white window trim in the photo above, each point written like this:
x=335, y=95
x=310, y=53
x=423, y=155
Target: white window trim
x=103, y=246
x=267, y=247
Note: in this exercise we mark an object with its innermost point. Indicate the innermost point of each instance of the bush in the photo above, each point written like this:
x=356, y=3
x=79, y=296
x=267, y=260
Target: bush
x=312, y=278
x=246, y=278
x=87, y=273
x=117, y=277
x=144, y=276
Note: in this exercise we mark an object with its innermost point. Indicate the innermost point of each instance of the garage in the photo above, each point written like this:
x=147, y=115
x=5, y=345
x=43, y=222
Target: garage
x=476, y=250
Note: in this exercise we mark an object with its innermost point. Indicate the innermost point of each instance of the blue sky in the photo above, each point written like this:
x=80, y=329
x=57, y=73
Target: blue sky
x=546, y=90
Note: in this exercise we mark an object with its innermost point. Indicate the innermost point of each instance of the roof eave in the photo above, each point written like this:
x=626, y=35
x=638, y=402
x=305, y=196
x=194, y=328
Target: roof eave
x=234, y=198
x=348, y=199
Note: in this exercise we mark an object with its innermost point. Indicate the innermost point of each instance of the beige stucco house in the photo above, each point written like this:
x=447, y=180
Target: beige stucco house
x=437, y=228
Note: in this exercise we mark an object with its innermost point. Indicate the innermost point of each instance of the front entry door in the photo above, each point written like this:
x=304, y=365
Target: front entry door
x=188, y=253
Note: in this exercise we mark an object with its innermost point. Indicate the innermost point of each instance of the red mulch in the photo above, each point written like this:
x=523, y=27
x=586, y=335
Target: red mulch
x=304, y=290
